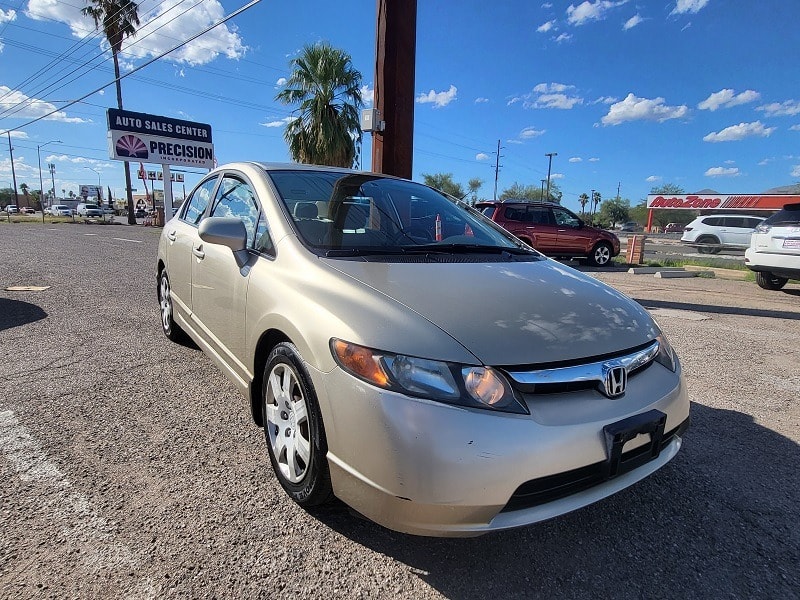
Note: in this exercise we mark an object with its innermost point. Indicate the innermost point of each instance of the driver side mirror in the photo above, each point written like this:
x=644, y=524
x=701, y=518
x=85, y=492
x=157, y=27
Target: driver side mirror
x=226, y=231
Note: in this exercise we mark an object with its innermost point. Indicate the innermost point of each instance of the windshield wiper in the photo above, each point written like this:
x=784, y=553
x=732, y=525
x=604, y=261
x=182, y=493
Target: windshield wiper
x=345, y=252
x=468, y=249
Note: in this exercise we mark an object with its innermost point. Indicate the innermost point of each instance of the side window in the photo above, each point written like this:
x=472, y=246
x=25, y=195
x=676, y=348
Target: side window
x=235, y=198
x=539, y=215
x=733, y=222
x=513, y=213
x=752, y=223
x=713, y=221
x=565, y=218
x=196, y=206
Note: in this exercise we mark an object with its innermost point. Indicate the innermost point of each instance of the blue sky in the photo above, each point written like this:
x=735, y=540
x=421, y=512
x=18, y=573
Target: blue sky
x=700, y=93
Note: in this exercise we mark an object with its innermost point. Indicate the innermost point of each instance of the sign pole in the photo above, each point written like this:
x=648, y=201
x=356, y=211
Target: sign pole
x=167, y=192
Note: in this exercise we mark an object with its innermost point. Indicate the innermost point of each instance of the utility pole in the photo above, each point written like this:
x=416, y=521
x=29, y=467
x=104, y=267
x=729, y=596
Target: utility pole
x=395, y=58
x=591, y=207
x=13, y=172
x=542, y=195
x=549, y=164
x=496, y=169
x=618, y=186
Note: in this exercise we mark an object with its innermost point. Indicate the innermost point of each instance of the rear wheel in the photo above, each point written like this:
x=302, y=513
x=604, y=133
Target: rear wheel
x=168, y=325
x=293, y=428
x=768, y=281
x=708, y=245
x=601, y=255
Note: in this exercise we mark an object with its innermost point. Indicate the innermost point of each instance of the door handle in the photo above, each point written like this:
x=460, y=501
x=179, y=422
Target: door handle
x=198, y=251
x=172, y=236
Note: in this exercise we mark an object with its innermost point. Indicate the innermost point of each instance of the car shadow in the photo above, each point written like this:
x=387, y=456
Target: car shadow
x=14, y=313
x=716, y=309
x=720, y=520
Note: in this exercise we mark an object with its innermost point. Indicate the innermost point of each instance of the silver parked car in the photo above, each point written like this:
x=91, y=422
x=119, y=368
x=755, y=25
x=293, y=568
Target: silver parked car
x=711, y=234
x=407, y=355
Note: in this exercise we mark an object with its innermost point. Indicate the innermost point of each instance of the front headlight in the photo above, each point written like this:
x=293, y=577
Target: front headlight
x=461, y=385
x=666, y=355
x=763, y=228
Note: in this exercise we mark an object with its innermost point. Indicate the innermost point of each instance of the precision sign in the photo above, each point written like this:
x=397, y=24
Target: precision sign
x=139, y=137
x=721, y=202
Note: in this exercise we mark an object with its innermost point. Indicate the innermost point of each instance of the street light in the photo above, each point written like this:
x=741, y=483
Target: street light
x=549, y=164
x=41, y=183
x=99, y=192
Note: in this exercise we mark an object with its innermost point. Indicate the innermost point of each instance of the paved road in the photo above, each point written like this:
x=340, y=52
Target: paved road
x=129, y=467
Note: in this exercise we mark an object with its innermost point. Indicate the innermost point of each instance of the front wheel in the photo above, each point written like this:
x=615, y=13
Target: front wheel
x=600, y=255
x=293, y=428
x=768, y=281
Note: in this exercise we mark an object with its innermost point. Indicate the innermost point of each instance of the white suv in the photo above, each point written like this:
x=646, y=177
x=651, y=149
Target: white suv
x=711, y=233
x=774, y=252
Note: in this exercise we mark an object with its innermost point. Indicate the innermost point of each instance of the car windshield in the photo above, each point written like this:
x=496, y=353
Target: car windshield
x=360, y=213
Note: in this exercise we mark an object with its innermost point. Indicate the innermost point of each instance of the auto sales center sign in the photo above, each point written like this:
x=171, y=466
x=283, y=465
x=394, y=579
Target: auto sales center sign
x=139, y=137
x=721, y=202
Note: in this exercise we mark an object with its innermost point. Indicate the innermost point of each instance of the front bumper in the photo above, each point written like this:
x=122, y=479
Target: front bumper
x=426, y=468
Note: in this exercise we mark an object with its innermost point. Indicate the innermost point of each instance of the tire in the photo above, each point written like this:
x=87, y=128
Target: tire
x=708, y=245
x=168, y=325
x=293, y=428
x=768, y=281
x=600, y=255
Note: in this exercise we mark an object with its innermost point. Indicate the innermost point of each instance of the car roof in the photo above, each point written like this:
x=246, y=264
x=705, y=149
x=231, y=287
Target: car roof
x=515, y=201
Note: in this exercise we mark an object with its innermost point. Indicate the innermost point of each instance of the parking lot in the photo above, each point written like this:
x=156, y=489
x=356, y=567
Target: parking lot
x=130, y=467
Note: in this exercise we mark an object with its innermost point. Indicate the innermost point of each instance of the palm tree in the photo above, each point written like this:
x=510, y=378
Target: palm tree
x=583, y=199
x=326, y=87
x=118, y=20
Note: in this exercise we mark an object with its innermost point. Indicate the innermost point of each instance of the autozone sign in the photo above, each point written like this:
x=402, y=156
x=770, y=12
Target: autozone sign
x=721, y=202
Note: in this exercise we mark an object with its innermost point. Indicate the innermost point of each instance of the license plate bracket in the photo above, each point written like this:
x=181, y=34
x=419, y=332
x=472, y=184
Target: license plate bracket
x=618, y=434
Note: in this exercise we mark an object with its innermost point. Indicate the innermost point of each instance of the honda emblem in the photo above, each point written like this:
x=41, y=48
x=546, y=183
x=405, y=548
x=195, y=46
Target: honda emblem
x=615, y=379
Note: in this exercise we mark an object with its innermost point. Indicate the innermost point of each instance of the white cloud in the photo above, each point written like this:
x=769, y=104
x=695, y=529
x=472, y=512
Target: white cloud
x=438, y=99
x=564, y=37
x=632, y=22
x=18, y=135
x=367, y=95
x=730, y=162
x=557, y=176
x=481, y=156
x=545, y=27
x=642, y=109
x=726, y=98
x=551, y=95
x=547, y=5
x=278, y=123
x=481, y=100
x=688, y=6
x=765, y=162
x=575, y=159
x=514, y=141
x=530, y=133
x=605, y=100
x=513, y=100
x=653, y=178
x=789, y=108
x=24, y=107
x=281, y=81
x=794, y=128
x=595, y=159
x=722, y=172
x=734, y=133
x=796, y=171
x=590, y=11
x=161, y=29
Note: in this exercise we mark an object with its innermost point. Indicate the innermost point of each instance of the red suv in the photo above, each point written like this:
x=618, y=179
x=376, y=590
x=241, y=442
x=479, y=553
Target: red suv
x=553, y=230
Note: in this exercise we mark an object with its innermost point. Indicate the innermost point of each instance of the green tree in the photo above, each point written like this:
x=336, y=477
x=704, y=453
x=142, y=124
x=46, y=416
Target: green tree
x=531, y=193
x=474, y=185
x=118, y=20
x=326, y=89
x=444, y=183
x=614, y=211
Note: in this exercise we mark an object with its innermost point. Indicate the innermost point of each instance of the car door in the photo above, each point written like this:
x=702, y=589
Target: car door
x=219, y=285
x=541, y=228
x=735, y=231
x=182, y=237
x=573, y=237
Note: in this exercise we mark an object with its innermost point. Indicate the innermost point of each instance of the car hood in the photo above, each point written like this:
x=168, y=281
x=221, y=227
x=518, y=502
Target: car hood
x=512, y=313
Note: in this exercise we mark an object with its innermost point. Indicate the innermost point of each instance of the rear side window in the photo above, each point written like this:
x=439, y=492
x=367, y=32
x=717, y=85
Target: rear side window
x=713, y=221
x=197, y=204
x=734, y=222
x=514, y=213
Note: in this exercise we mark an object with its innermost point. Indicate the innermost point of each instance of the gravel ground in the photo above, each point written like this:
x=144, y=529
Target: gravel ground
x=130, y=468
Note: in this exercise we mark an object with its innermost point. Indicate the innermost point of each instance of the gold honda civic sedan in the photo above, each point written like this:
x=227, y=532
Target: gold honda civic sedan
x=408, y=356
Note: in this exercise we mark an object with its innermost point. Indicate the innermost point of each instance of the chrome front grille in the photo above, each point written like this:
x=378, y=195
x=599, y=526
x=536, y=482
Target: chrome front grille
x=600, y=374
